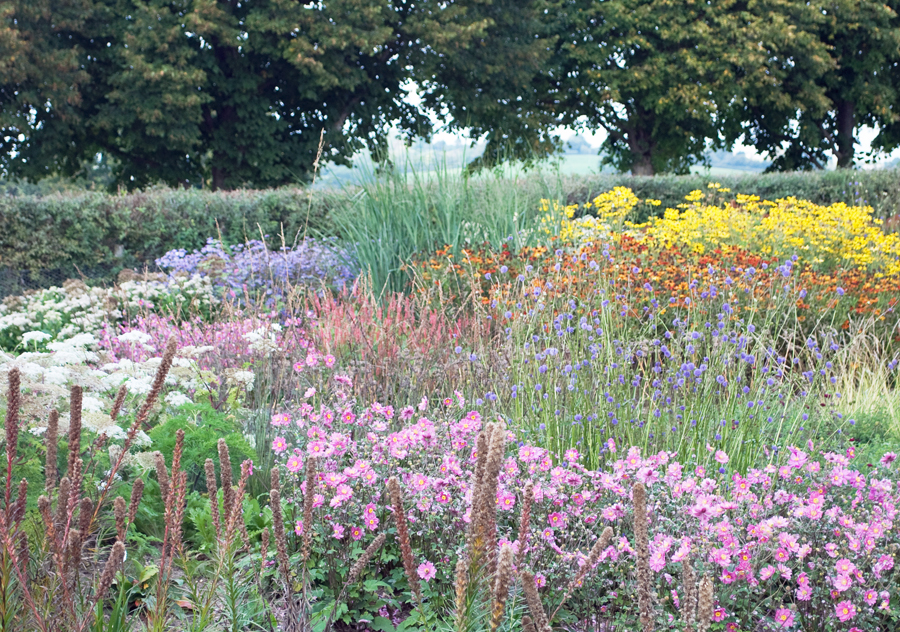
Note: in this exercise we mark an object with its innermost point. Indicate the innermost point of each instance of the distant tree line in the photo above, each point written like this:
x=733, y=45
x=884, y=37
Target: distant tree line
x=239, y=93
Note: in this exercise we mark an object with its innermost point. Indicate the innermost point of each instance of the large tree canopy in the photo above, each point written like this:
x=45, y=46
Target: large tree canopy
x=236, y=93
x=232, y=93
x=832, y=72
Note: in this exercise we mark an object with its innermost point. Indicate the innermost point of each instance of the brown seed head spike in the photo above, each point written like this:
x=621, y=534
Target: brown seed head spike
x=158, y=382
x=162, y=475
x=13, y=402
x=180, y=492
x=18, y=509
x=596, y=551
x=263, y=549
x=119, y=510
x=74, y=428
x=117, y=404
x=704, y=604
x=541, y=623
x=50, y=468
x=280, y=537
x=62, y=502
x=501, y=586
x=176, y=455
x=486, y=529
x=113, y=564
x=86, y=515
x=527, y=624
x=366, y=557
x=525, y=521
x=225, y=473
x=213, y=493
x=461, y=585
x=642, y=549
x=406, y=555
x=44, y=509
x=137, y=490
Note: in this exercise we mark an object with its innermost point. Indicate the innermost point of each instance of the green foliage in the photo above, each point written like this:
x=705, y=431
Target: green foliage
x=96, y=234
x=203, y=427
x=230, y=94
x=835, y=75
x=404, y=211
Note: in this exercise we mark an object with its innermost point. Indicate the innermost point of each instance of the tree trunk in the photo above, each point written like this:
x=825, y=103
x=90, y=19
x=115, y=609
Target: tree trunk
x=642, y=166
x=641, y=146
x=846, y=122
x=218, y=178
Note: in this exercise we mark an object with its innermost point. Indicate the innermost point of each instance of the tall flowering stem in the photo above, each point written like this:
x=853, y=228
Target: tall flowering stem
x=642, y=549
x=406, y=554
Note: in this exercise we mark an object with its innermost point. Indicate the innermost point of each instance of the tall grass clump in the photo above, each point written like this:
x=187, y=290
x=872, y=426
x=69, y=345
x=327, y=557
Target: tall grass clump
x=405, y=210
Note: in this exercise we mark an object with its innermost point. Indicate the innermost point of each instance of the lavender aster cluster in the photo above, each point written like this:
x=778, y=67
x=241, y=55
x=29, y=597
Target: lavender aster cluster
x=257, y=269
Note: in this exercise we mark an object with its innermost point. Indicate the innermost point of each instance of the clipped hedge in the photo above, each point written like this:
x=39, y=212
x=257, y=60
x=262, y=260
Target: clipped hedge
x=47, y=239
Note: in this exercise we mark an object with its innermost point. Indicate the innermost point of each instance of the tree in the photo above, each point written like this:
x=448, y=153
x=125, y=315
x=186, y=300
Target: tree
x=41, y=76
x=838, y=74
x=501, y=86
x=235, y=93
x=652, y=73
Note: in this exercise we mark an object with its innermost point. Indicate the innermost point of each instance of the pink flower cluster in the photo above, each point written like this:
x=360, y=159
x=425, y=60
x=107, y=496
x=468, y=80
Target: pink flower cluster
x=782, y=539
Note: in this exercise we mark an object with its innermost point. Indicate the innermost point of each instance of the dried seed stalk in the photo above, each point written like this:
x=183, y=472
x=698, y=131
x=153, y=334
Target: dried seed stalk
x=642, y=550
x=406, y=555
x=591, y=561
x=50, y=467
x=137, y=490
x=704, y=604
x=119, y=510
x=501, y=586
x=225, y=473
x=213, y=493
x=541, y=623
x=525, y=521
x=74, y=428
x=280, y=537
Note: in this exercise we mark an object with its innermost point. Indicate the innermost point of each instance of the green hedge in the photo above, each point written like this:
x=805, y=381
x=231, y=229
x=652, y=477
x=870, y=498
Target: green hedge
x=46, y=239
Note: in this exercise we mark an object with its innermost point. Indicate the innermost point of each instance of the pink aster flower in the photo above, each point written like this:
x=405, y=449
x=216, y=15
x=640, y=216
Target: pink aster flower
x=721, y=457
x=338, y=532
x=279, y=445
x=888, y=458
x=842, y=582
x=557, y=519
x=845, y=610
x=294, y=464
x=281, y=419
x=784, y=617
x=426, y=571
x=356, y=533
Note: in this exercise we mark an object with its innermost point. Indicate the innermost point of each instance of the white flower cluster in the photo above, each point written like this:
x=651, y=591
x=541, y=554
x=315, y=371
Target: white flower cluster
x=60, y=313
x=263, y=340
x=48, y=376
